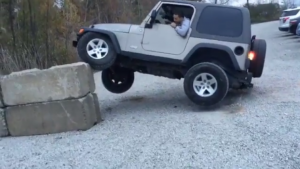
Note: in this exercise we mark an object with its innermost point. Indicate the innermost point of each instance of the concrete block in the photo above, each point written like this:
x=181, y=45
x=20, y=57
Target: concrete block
x=57, y=83
x=1, y=100
x=1, y=97
x=100, y=116
x=51, y=117
x=3, y=127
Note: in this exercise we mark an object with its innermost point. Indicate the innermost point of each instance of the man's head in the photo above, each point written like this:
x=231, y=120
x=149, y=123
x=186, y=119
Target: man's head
x=178, y=17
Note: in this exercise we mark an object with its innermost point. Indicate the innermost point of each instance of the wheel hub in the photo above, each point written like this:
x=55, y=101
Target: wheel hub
x=97, y=48
x=205, y=84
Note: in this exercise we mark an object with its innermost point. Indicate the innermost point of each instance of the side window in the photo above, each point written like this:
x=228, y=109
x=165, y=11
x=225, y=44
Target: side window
x=166, y=11
x=221, y=21
x=160, y=17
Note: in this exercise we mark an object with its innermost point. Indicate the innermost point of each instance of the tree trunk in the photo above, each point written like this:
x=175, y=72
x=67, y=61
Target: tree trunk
x=11, y=23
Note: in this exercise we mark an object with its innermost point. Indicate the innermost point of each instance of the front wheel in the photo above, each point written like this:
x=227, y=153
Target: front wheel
x=206, y=84
x=96, y=50
x=117, y=80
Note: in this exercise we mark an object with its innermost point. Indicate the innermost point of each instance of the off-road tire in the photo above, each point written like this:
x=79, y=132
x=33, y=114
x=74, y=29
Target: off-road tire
x=97, y=64
x=257, y=65
x=222, y=84
x=109, y=79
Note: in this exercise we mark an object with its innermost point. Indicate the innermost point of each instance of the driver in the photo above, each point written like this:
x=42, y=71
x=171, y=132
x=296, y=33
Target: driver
x=181, y=23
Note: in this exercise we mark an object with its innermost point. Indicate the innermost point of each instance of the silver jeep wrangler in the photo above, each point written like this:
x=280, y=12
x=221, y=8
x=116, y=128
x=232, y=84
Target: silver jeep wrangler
x=218, y=52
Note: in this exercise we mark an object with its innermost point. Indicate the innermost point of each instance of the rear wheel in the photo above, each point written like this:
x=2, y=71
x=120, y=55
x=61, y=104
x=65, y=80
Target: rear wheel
x=117, y=80
x=257, y=64
x=206, y=84
x=96, y=50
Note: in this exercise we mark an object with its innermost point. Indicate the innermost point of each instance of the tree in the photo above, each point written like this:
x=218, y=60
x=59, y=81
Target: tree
x=289, y=3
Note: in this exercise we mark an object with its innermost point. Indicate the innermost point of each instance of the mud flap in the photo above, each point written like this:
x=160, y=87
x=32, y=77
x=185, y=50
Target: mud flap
x=239, y=80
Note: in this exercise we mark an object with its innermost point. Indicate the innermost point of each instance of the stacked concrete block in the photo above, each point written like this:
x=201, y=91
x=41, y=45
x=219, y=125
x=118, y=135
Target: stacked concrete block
x=3, y=126
x=48, y=101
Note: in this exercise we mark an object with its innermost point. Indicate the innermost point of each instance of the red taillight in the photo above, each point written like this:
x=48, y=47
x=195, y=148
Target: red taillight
x=251, y=55
x=285, y=19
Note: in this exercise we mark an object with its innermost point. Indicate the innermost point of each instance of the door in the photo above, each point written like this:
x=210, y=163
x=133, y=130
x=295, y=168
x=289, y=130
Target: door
x=163, y=38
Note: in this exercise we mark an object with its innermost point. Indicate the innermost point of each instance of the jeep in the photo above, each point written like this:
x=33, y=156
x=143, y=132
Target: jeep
x=217, y=54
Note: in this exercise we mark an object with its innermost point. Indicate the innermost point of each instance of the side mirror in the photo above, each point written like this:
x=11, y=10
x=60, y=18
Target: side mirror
x=153, y=14
x=152, y=19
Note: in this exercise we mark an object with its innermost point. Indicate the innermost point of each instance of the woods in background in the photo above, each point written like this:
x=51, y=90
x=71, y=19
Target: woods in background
x=264, y=12
x=38, y=34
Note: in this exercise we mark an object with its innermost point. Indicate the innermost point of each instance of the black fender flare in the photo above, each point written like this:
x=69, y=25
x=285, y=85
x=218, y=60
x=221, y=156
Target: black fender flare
x=110, y=34
x=213, y=46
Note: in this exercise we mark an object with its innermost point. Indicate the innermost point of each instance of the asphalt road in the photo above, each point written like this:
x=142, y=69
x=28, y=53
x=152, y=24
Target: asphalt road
x=154, y=125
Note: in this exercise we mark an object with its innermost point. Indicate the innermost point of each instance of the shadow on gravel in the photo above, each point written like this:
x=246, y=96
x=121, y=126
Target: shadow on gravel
x=156, y=102
x=286, y=35
x=293, y=37
x=283, y=36
x=232, y=102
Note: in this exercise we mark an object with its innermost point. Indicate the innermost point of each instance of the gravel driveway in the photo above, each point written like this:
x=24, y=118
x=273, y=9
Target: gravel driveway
x=154, y=125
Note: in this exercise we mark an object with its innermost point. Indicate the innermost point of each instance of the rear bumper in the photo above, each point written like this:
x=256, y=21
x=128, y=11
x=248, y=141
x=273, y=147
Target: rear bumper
x=247, y=63
x=284, y=29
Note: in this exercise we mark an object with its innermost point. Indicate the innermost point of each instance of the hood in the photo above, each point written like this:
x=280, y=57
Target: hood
x=114, y=27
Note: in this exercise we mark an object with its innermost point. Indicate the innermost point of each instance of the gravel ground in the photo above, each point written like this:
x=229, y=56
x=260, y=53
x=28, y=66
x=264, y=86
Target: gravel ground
x=154, y=125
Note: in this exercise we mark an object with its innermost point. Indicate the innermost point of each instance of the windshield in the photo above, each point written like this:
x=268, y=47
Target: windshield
x=290, y=13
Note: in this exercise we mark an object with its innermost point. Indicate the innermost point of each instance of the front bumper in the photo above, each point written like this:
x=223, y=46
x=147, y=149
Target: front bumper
x=78, y=36
x=74, y=43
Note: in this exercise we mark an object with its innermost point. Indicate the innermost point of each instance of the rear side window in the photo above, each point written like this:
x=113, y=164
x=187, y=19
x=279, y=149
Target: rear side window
x=290, y=13
x=221, y=21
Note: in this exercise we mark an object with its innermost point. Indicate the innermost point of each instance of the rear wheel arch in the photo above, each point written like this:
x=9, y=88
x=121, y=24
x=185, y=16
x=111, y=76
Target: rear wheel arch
x=205, y=52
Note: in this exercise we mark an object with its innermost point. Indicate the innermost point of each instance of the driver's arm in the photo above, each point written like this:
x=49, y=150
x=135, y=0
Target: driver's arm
x=184, y=28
